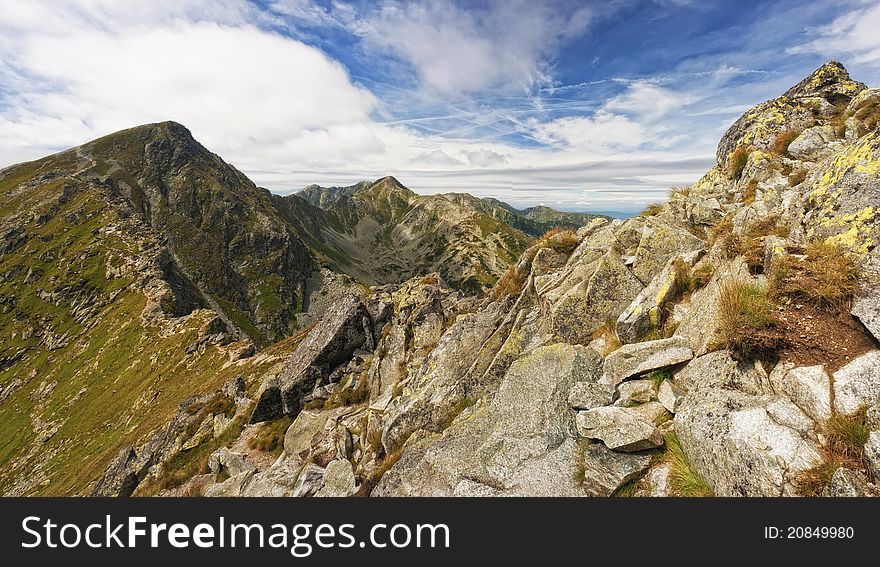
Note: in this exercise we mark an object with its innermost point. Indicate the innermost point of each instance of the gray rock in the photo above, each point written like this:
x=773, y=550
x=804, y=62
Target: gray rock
x=439, y=389
x=345, y=327
x=858, y=383
x=589, y=395
x=299, y=436
x=639, y=358
x=810, y=389
x=652, y=412
x=635, y=391
x=644, y=311
x=745, y=445
x=233, y=463
x=872, y=416
x=589, y=304
x=719, y=370
x=605, y=470
x=620, y=429
x=866, y=306
x=231, y=487
x=872, y=453
x=310, y=481
x=812, y=143
x=660, y=243
x=277, y=480
x=339, y=480
x=658, y=481
x=669, y=396
x=846, y=483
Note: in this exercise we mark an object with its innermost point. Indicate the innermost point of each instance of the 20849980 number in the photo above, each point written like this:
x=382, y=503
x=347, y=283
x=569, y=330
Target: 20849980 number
x=823, y=532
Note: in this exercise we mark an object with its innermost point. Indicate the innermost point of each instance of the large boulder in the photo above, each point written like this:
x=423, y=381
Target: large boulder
x=809, y=387
x=639, y=358
x=339, y=480
x=605, y=470
x=660, y=243
x=746, y=445
x=866, y=306
x=645, y=310
x=345, y=327
x=438, y=390
x=521, y=442
x=589, y=304
x=858, y=383
x=621, y=429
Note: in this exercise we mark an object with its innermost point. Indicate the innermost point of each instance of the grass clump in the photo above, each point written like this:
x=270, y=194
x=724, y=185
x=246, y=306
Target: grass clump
x=750, y=193
x=683, y=191
x=827, y=277
x=685, y=481
x=747, y=320
x=560, y=240
x=737, y=160
x=269, y=437
x=845, y=438
x=782, y=140
x=701, y=275
x=652, y=210
x=608, y=332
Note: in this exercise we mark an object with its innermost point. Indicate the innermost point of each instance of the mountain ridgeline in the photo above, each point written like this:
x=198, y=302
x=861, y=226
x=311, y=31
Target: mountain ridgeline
x=133, y=267
x=384, y=233
x=168, y=328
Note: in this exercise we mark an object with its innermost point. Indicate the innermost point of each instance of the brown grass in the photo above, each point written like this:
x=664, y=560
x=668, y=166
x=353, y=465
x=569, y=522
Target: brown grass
x=748, y=320
x=751, y=192
x=560, y=240
x=797, y=177
x=845, y=438
x=608, y=331
x=683, y=191
x=701, y=275
x=782, y=140
x=737, y=160
x=827, y=277
x=269, y=437
x=652, y=210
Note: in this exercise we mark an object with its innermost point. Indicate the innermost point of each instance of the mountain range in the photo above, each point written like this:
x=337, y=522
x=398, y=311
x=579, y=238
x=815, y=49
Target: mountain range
x=169, y=328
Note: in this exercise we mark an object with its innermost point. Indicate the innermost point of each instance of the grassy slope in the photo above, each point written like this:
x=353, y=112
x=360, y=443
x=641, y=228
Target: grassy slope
x=115, y=380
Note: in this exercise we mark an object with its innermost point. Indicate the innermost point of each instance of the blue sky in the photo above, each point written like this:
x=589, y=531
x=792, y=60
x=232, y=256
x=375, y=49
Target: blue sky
x=577, y=105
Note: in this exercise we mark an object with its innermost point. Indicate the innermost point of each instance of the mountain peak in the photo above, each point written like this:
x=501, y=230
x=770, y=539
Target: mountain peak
x=830, y=81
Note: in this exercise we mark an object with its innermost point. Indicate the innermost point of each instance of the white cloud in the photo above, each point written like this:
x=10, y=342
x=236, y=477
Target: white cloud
x=603, y=133
x=648, y=100
x=288, y=115
x=507, y=45
x=855, y=34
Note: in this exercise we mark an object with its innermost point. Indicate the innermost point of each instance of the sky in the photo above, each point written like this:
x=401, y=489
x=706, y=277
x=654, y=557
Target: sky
x=578, y=105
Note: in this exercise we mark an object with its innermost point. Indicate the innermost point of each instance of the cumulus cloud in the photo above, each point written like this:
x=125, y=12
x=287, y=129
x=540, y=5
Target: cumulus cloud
x=289, y=115
x=853, y=34
x=505, y=44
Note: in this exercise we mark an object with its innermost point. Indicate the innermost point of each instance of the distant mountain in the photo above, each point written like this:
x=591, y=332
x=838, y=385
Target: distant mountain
x=382, y=232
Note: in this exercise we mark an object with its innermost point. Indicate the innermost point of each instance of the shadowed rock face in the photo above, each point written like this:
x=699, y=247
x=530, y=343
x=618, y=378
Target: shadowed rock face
x=222, y=231
x=346, y=327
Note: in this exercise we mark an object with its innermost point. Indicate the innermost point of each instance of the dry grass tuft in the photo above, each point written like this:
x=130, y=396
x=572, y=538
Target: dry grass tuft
x=845, y=438
x=652, y=210
x=782, y=140
x=827, y=277
x=737, y=160
x=269, y=437
x=608, y=332
x=748, y=320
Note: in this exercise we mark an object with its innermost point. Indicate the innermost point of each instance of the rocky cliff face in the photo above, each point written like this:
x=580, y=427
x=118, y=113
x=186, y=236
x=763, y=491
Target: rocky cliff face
x=722, y=343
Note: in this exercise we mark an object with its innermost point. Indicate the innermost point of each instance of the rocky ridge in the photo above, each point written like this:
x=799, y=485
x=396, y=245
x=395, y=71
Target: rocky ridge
x=724, y=342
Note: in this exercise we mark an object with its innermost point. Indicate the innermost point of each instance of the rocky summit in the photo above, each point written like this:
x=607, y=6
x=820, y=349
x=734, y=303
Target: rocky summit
x=168, y=328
